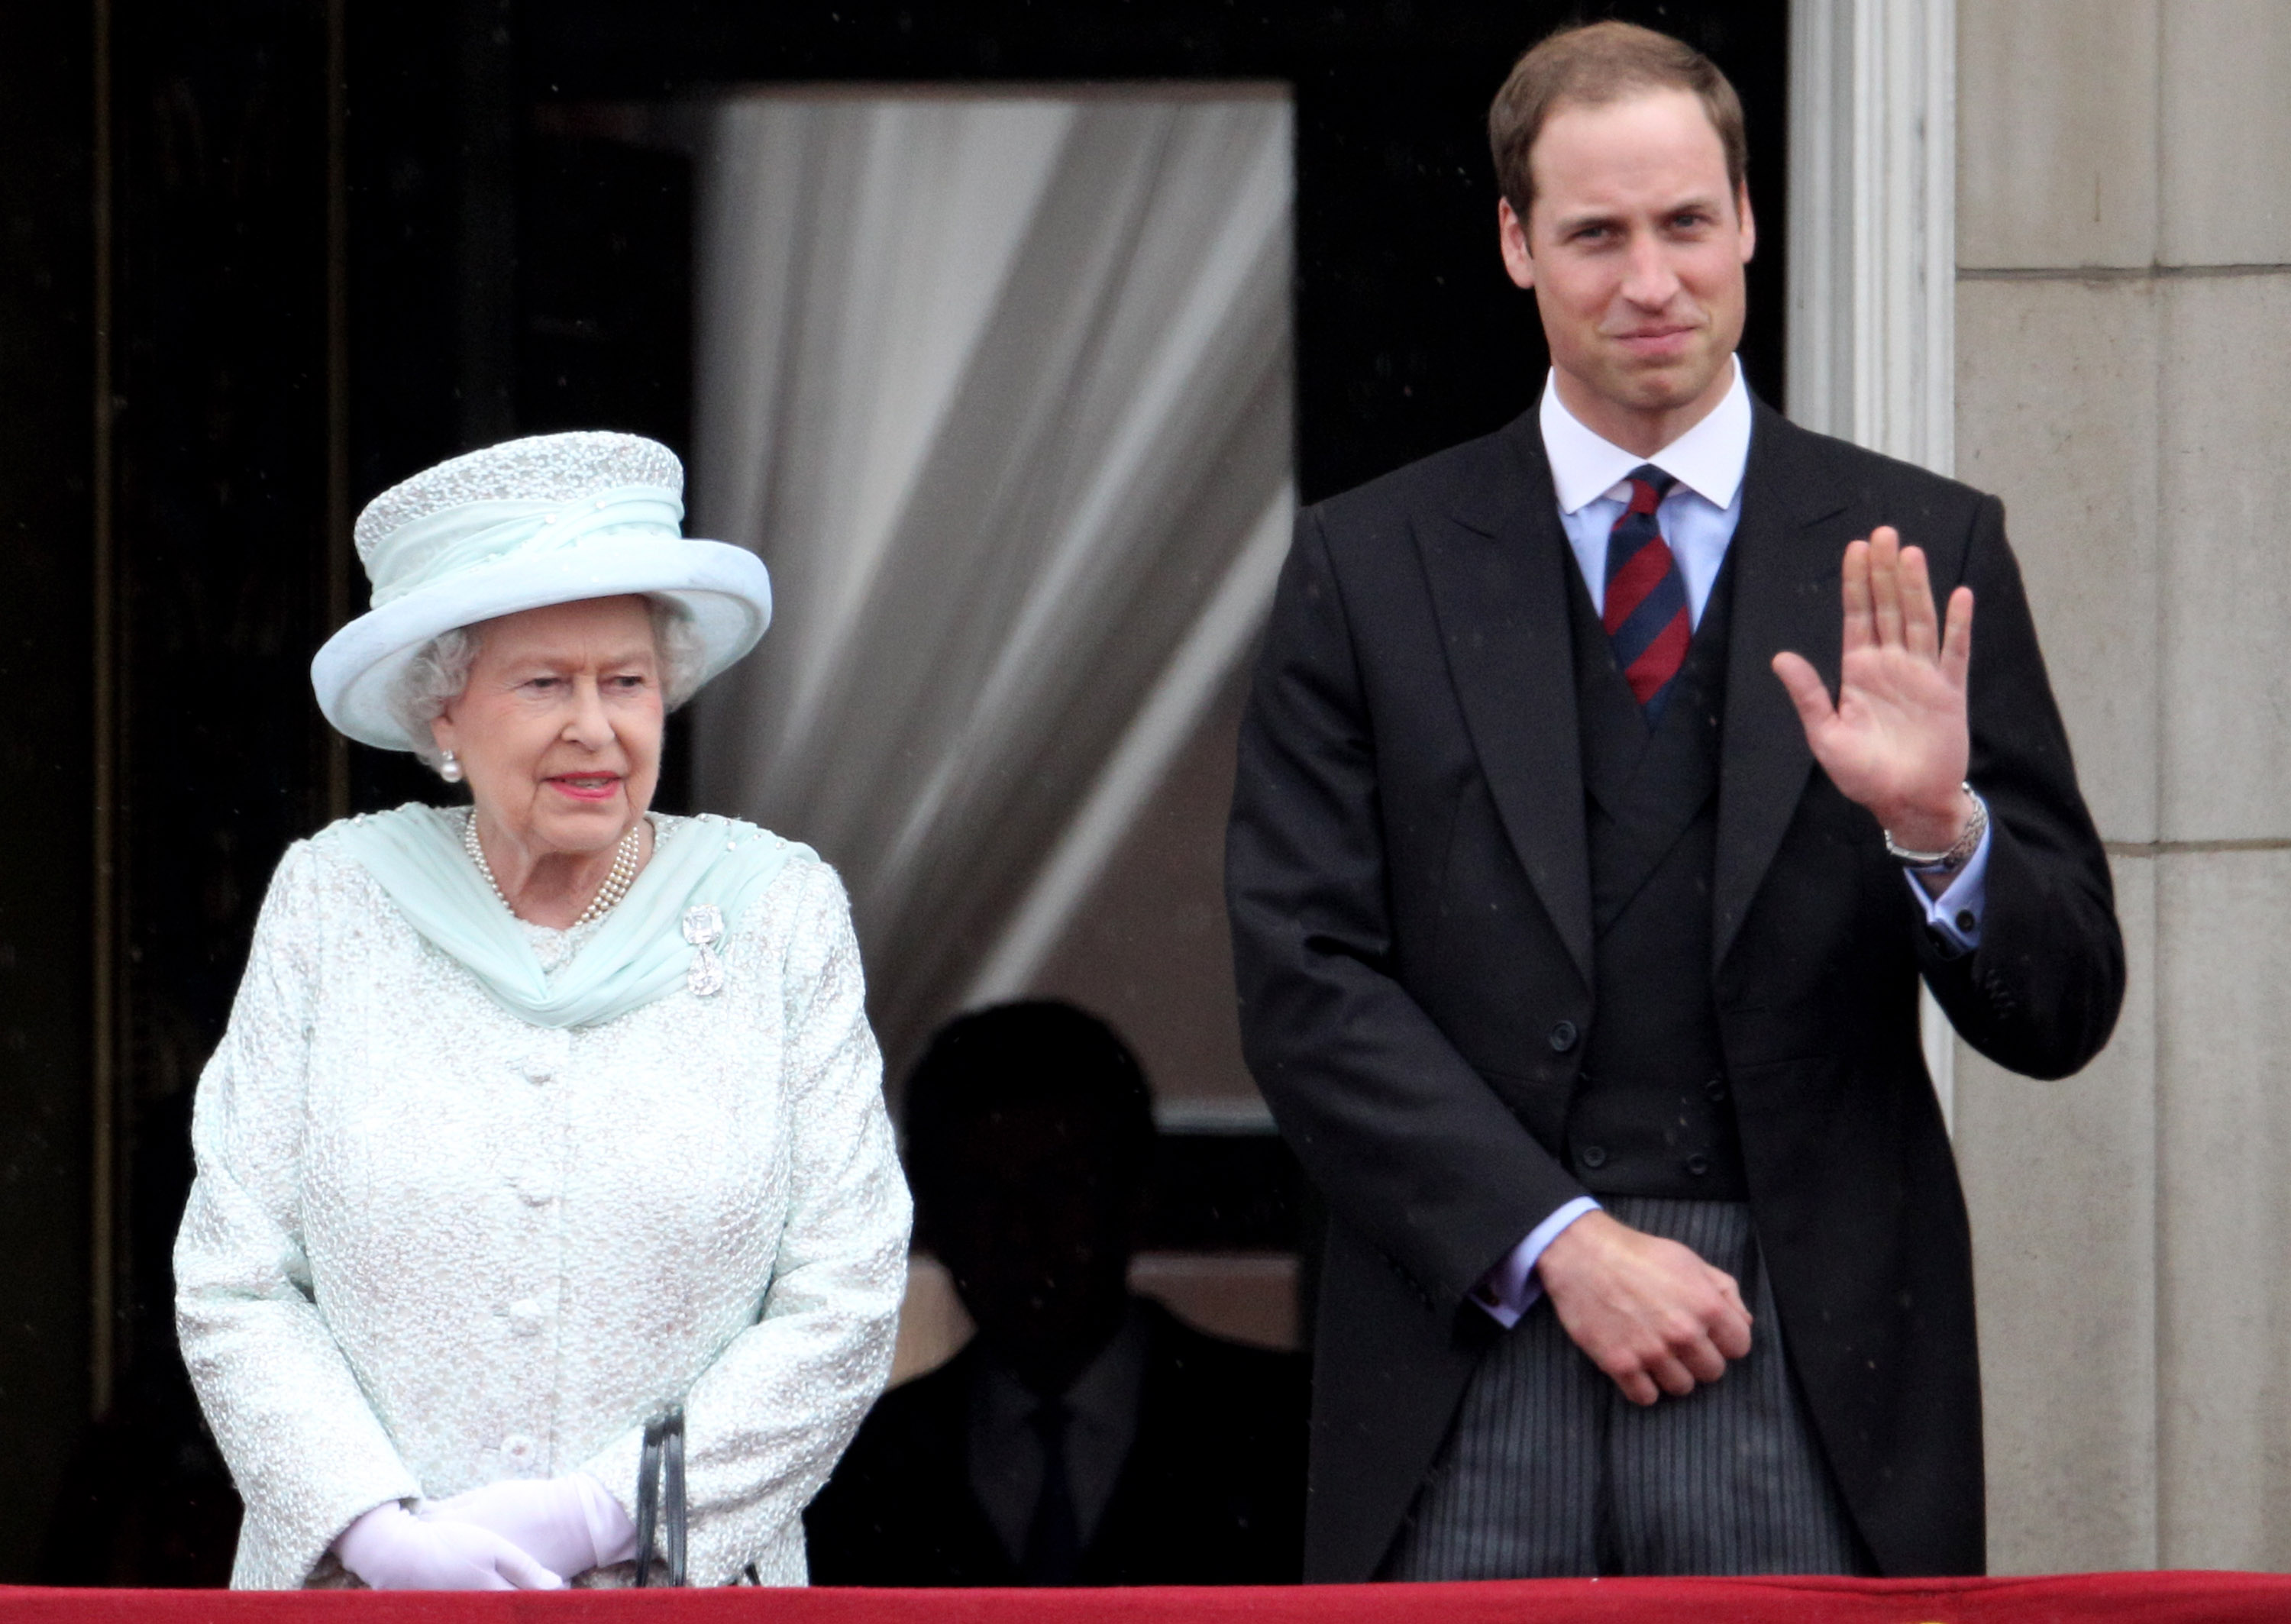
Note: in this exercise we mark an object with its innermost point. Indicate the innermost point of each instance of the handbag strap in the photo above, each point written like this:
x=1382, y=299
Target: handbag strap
x=672, y=1495
x=660, y=1497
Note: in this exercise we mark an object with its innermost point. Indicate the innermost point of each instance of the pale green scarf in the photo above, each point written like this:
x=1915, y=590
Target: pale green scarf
x=638, y=952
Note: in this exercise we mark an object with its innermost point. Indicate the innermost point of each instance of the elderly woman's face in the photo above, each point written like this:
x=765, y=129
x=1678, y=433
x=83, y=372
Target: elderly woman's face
x=559, y=728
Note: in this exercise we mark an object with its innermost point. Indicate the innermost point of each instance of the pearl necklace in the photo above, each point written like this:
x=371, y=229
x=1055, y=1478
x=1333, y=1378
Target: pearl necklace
x=616, y=884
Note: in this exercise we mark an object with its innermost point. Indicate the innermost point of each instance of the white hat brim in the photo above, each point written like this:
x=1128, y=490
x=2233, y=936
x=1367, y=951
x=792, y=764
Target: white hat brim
x=724, y=589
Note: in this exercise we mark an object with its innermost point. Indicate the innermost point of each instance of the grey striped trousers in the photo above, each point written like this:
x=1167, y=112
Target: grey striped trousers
x=1551, y=1472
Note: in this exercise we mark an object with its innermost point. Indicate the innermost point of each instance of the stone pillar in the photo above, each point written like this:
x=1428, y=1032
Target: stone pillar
x=2123, y=318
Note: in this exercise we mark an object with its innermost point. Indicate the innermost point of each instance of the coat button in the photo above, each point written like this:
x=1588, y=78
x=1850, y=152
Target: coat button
x=518, y=1447
x=1593, y=1155
x=1966, y=923
x=1715, y=1090
x=1698, y=1164
x=1563, y=1037
x=527, y=1316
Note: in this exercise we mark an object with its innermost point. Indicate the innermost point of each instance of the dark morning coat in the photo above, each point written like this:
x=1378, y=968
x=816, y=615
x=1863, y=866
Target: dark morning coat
x=1411, y=920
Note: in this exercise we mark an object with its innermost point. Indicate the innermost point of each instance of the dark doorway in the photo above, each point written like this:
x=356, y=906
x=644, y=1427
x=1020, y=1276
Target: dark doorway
x=327, y=245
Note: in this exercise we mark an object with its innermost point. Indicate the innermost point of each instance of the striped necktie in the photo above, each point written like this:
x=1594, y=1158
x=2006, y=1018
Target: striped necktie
x=1645, y=610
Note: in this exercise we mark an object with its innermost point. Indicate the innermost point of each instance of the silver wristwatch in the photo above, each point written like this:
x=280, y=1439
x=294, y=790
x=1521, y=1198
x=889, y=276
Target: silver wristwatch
x=1960, y=851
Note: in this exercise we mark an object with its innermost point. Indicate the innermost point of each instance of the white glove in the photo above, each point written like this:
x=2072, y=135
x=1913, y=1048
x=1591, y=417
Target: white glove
x=568, y=1524
x=392, y=1549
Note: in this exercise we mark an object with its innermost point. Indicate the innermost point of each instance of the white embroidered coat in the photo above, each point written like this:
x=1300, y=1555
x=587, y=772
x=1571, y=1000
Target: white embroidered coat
x=430, y=1246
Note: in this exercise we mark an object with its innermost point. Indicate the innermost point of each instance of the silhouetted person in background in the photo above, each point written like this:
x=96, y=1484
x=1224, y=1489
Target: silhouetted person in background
x=1084, y=1436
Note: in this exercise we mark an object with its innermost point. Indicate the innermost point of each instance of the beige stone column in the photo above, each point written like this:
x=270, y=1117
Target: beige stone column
x=2124, y=321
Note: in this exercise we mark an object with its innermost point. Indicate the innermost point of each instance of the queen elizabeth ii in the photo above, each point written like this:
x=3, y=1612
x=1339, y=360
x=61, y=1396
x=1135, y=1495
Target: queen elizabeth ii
x=538, y=1121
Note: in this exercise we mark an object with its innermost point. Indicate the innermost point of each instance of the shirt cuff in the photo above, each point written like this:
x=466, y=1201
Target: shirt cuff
x=1955, y=915
x=1510, y=1290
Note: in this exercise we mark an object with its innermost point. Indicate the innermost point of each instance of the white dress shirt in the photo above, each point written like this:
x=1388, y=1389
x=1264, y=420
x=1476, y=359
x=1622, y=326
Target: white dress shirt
x=1591, y=477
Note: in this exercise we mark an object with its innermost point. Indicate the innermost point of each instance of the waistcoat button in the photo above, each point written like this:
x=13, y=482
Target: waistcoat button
x=1593, y=1155
x=1698, y=1164
x=1715, y=1090
x=1563, y=1037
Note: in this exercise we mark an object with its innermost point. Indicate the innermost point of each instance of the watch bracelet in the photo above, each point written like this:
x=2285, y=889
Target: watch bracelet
x=1959, y=851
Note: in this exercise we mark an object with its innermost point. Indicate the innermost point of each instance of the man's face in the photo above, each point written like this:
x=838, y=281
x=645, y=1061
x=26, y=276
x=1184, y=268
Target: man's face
x=1635, y=247
x=1037, y=1233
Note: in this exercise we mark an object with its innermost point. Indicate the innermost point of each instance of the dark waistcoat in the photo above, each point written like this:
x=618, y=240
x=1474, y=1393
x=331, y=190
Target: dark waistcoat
x=1652, y=1114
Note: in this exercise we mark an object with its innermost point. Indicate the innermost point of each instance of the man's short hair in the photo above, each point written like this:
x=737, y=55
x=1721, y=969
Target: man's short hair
x=1593, y=64
x=1020, y=1057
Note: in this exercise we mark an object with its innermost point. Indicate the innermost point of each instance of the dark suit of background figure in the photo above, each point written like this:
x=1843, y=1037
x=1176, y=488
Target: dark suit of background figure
x=1211, y=1494
x=1412, y=925
x=1029, y=1130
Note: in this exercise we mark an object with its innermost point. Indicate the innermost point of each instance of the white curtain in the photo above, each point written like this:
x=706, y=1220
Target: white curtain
x=1000, y=389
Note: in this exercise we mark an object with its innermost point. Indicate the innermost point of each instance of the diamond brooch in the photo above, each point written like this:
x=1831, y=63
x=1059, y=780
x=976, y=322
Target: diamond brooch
x=703, y=927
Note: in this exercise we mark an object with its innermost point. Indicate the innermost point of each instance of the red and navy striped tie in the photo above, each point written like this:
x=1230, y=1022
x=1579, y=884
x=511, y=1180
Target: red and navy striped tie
x=1645, y=611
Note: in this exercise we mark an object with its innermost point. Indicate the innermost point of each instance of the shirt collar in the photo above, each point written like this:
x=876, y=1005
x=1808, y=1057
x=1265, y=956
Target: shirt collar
x=1103, y=1392
x=1707, y=459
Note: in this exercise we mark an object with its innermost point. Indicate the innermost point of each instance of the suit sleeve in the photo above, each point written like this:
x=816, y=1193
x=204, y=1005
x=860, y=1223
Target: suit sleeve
x=2040, y=994
x=1411, y=1147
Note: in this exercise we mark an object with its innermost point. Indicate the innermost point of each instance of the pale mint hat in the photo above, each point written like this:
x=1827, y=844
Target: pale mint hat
x=551, y=518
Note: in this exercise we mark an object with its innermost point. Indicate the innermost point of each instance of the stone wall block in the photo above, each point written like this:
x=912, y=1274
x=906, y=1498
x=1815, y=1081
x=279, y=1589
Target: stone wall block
x=2056, y=413
x=2224, y=586
x=2224, y=1205
x=2056, y=132
x=2060, y=1180
x=2226, y=148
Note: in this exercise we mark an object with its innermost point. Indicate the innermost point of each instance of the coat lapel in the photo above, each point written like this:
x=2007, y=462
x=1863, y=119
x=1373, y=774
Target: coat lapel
x=1496, y=564
x=1786, y=595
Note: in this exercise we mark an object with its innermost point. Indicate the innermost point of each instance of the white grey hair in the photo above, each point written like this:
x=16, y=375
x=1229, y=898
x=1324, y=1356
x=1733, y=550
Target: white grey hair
x=434, y=677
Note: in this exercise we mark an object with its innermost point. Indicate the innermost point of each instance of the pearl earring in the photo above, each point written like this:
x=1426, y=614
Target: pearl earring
x=449, y=769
